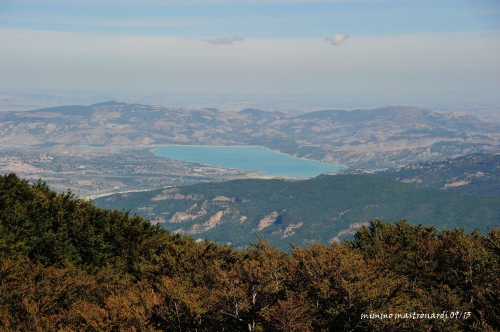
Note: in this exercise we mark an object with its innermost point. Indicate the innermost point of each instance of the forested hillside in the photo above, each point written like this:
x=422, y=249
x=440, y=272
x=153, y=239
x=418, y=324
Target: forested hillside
x=477, y=174
x=66, y=265
x=323, y=209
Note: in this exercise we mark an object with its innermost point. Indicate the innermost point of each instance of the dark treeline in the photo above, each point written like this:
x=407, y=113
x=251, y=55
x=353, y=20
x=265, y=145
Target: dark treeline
x=67, y=265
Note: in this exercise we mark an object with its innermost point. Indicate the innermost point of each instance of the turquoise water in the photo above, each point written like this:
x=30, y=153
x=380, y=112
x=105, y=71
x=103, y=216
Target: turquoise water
x=268, y=163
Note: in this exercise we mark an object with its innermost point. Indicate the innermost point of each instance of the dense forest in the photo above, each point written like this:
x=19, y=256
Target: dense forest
x=322, y=209
x=477, y=174
x=67, y=265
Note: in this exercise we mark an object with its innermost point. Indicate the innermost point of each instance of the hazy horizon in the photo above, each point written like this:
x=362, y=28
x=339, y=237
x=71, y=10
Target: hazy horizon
x=294, y=104
x=349, y=54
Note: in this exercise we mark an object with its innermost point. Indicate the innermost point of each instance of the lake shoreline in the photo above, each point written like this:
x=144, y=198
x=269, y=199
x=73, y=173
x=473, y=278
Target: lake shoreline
x=152, y=147
x=269, y=163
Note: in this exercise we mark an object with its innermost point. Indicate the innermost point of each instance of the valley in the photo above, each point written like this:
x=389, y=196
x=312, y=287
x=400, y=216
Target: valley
x=432, y=168
x=107, y=147
x=377, y=138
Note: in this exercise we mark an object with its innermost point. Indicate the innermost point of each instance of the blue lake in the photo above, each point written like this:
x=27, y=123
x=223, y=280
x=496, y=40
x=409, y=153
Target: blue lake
x=268, y=163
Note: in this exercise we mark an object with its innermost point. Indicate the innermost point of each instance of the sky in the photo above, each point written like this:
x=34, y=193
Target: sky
x=329, y=47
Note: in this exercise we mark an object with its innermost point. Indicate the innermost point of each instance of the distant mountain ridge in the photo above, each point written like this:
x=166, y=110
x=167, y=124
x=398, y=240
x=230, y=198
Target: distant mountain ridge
x=259, y=113
x=385, y=137
x=76, y=110
x=401, y=115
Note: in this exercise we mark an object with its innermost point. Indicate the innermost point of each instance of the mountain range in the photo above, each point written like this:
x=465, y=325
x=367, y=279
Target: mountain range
x=378, y=138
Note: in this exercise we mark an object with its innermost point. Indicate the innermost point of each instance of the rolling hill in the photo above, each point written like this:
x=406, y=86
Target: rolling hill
x=379, y=138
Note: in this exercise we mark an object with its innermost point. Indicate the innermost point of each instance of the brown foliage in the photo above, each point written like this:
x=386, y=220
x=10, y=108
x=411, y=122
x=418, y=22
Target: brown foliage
x=66, y=265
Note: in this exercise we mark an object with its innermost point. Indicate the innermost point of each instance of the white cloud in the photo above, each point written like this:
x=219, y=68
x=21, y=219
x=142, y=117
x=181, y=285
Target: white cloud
x=224, y=41
x=336, y=39
x=105, y=62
